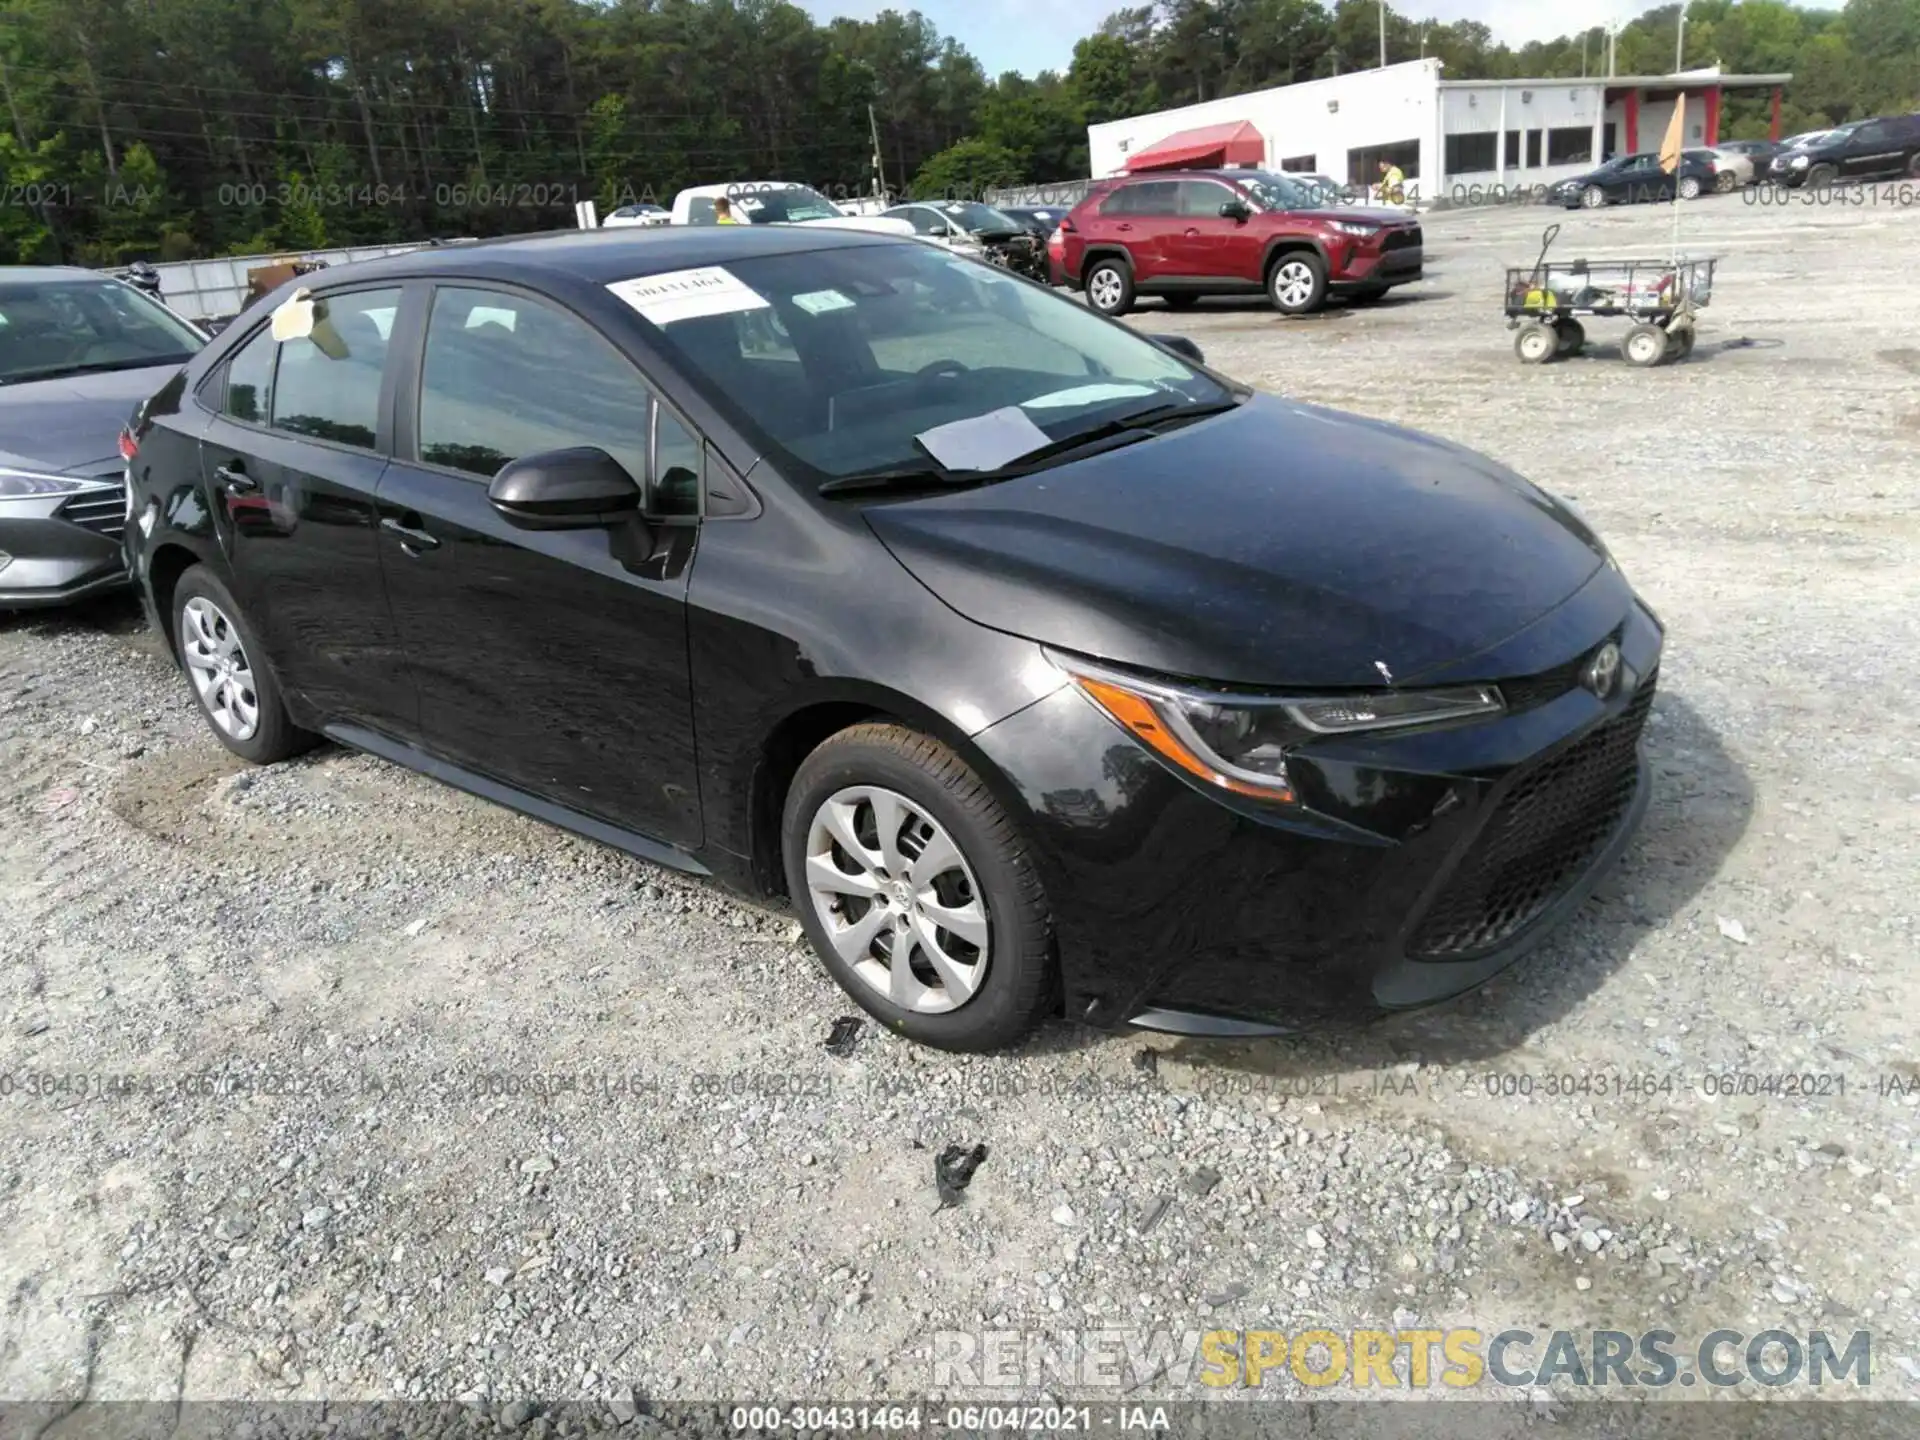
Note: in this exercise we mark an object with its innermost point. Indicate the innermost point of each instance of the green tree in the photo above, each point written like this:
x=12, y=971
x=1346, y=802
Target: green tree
x=966, y=171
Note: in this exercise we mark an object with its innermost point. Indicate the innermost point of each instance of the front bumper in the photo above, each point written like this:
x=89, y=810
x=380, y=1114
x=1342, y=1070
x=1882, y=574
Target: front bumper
x=1421, y=866
x=1399, y=266
x=55, y=561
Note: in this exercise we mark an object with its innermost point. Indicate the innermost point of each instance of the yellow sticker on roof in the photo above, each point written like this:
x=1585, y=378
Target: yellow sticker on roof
x=688, y=294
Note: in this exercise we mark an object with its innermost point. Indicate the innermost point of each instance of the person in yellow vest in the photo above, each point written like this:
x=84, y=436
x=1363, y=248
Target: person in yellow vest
x=1393, y=184
x=723, y=211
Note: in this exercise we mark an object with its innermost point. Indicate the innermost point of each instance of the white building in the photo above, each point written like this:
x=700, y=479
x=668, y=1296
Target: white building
x=1449, y=137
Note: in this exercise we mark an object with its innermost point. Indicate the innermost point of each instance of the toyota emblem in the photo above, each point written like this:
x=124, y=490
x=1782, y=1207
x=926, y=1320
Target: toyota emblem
x=1602, y=674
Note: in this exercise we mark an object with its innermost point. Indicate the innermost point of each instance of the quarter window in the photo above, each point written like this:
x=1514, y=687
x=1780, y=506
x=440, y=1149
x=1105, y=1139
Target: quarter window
x=327, y=386
x=505, y=376
x=250, y=380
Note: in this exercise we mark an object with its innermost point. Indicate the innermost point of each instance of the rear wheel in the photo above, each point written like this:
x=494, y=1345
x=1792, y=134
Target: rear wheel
x=1725, y=182
x=237, y=692
x=1573, y=337
x=1110, y=287
x=1645, y=345
x=917, y=890
x=1297, y=282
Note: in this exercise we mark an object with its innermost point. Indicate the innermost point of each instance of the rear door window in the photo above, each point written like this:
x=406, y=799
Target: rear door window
x=327, y=386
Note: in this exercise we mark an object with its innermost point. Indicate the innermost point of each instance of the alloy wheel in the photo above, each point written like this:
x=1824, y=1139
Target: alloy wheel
x=217, y=662
x=1293, y=283
x=897, y=899
x=1104, y=289
x=1593, y=197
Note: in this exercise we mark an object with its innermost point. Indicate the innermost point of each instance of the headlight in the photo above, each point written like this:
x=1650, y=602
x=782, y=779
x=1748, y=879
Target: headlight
x=1241, y=742
x=1798, y=162
x=1355, y=227
x=31, y=485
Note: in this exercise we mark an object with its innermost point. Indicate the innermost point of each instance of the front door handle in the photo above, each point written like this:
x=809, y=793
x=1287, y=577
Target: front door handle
x=1192, y=230
x=412, y=540
x=234, y=480
x=1123, y=227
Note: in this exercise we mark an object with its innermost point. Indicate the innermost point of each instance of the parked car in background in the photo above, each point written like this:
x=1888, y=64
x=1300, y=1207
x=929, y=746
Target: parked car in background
x=78, y=352
x=776, y=202
x=1884, y=148
x=972, y=228
x=1232, y=232
x=1037, y=220
x=1636, y=179
x=1044, y=671
x=1760, y=152
x=1733, y=169
x=643, y=214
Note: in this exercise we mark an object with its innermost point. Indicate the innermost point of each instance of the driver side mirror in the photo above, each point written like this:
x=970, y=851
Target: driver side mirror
x=573, y=489
x=1181, y=346
x=1236, y=210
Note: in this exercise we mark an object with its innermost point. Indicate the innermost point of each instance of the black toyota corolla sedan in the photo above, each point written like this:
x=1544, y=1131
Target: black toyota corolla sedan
x=1042, y=668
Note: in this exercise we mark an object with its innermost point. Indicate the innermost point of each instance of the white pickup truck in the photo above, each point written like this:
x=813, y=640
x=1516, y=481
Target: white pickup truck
x=776, y=202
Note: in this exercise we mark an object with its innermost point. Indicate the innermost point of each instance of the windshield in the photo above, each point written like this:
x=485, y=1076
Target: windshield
x=66, y=327
x=1280, y=192
x=834, y=361
x=785, y=205
x=971, y=215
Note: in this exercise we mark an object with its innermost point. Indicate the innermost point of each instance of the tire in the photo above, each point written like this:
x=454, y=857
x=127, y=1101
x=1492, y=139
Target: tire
x=1297, y=282
x=1690, y=187
x=1821, y=177
x=1913, y=167
x=1725, y=182
x=1593, y=197
x=1645, y=345
x=842, y=789
x=1536, y=344
x=1181, y=300
x=1573, y=337
x=208, y=627
x=1109, y=286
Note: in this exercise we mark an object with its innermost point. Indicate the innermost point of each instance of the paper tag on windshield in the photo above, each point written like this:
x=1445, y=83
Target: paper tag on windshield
x=688, y=294
x=819, y=302
x=293, y=317
x=983, y=442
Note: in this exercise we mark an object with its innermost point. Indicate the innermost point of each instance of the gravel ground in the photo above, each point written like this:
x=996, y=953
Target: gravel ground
x=362, y=1088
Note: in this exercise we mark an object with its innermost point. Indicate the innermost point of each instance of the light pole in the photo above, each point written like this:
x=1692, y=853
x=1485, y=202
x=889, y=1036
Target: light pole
x=1383, y=34
x=1680, y=43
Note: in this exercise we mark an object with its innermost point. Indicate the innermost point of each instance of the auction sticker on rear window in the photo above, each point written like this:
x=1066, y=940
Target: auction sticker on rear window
x=688, y=294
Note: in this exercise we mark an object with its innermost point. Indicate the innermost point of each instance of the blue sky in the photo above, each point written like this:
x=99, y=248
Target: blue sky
x=1035, y=35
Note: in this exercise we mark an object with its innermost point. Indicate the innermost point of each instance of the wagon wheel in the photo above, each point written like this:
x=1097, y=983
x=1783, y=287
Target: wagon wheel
x=1573, y=337
x=1536, y=344
x=1645, y=345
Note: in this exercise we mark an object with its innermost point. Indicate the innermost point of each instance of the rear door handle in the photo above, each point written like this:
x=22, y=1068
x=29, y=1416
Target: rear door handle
x=235, y=480
x=1193, y=230
x=412, y=540
x=1123, y=227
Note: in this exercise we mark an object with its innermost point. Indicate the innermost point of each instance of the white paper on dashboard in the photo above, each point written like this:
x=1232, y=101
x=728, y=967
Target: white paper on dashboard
x=984, y=442
x=688, y=294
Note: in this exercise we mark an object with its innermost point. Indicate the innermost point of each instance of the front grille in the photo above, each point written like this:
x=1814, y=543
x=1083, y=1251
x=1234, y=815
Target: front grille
x=1541, y=839
x=102, y=511
x=1407, y=239
x=1531, y=691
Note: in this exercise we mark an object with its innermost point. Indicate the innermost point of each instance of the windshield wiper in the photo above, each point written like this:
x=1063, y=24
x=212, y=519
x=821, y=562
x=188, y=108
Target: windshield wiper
x=97, y=367
x=1125, y=429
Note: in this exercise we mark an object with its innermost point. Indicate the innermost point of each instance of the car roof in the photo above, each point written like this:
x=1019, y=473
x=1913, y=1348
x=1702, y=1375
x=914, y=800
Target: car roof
x=602, y=256
x=743, y=189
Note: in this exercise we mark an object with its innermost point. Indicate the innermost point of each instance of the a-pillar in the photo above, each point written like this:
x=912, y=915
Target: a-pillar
x=1633, y=122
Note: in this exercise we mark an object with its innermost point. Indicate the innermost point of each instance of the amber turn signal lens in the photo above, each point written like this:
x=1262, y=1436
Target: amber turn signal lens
x=1139, y=718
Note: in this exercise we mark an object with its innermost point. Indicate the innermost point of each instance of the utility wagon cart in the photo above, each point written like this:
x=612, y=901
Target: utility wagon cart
x=1661, y=297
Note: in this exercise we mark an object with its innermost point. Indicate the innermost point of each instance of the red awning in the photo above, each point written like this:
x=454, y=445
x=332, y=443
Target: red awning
x=1205, y=148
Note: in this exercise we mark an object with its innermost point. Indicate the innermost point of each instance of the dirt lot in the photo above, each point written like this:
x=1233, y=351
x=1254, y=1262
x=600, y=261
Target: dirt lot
x=312, y=1030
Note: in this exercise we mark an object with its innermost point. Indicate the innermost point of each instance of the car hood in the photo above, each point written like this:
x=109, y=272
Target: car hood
x=73, y=423
x=1366, y=215
x=1279, y=544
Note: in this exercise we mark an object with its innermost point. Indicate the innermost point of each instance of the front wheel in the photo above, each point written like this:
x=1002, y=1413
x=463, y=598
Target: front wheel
x=1646, y=345
x=1593, y=197
x=1725, y=182
x=1536, y=344
x=1297, y=283
x=223, y=659
x=1110, y=287
x=1690, y=187
x=1821, y=177
x=917, y=891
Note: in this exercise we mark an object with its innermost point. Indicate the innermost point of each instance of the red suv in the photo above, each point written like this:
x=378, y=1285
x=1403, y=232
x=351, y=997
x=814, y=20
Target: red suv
x=1227, y=232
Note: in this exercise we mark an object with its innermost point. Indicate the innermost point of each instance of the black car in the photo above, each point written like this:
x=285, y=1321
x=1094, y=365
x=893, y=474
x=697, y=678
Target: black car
x=78, y=351
x=1038, y=221
x=1883, y=148
x=1045, y=670
x=969, y=226
x=1632, y=179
